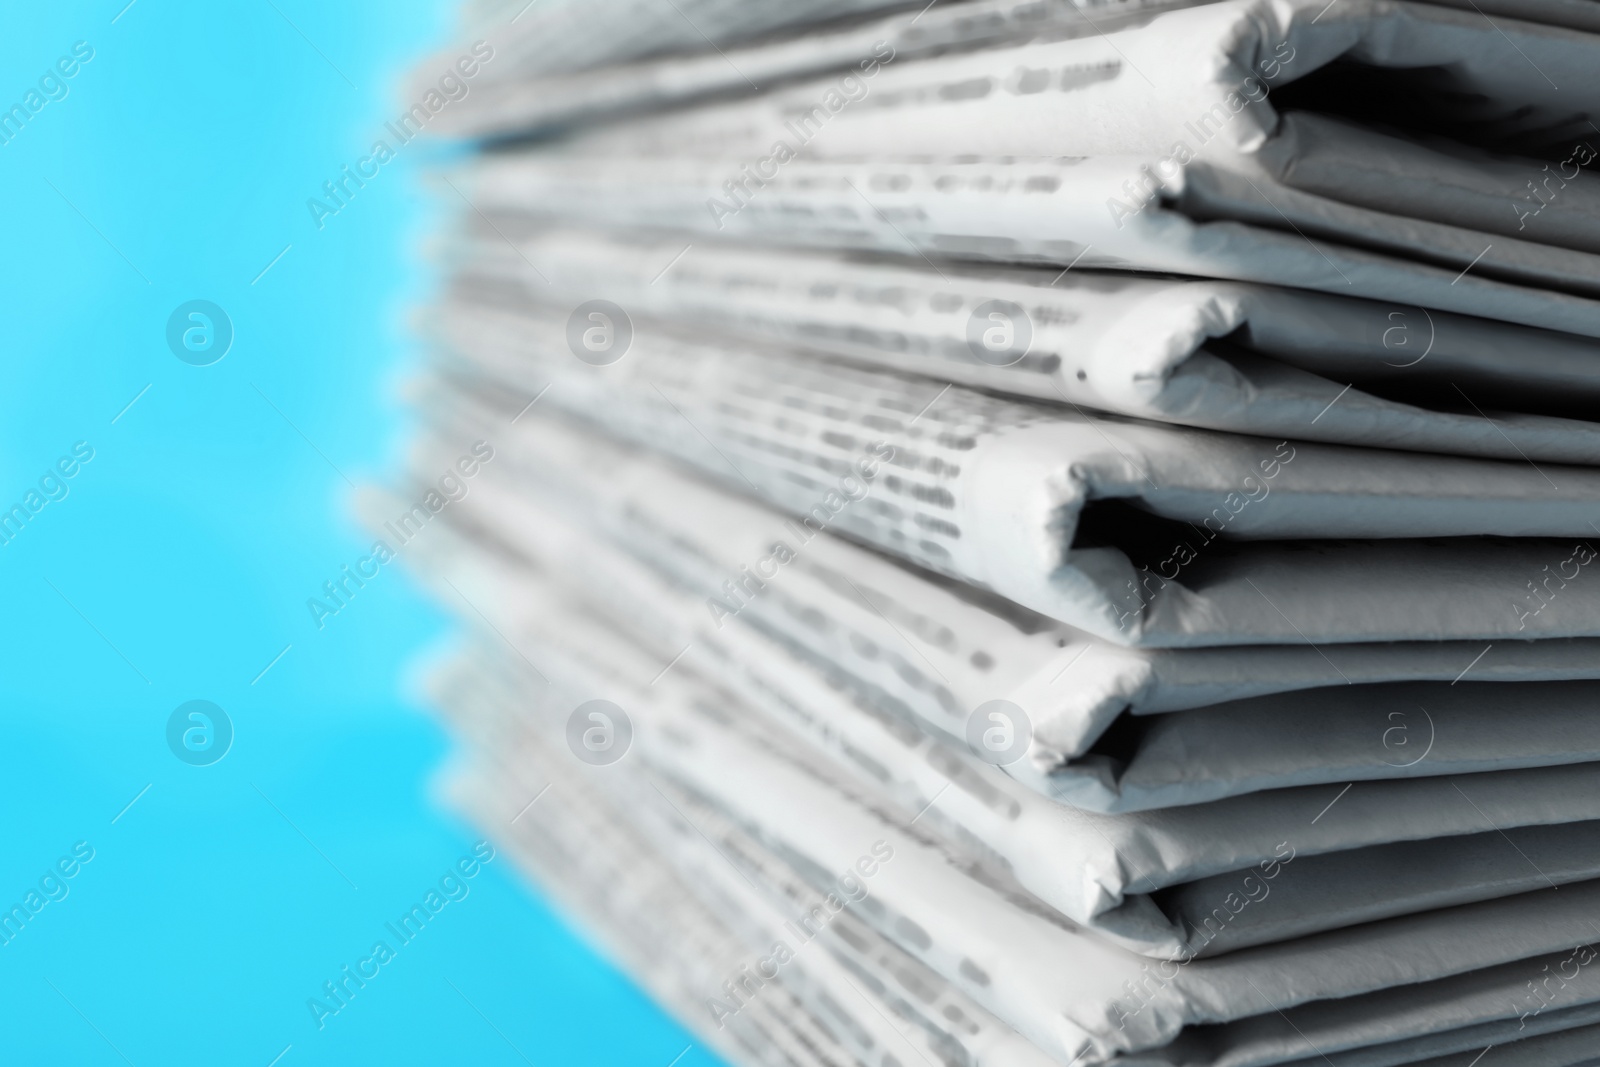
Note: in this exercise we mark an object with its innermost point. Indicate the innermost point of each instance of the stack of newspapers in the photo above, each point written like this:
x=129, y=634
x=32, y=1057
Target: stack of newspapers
x=1023, y=532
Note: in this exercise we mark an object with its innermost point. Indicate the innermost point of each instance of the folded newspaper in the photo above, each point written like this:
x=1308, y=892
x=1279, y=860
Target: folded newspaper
x=547, y=81
x=1156, y=146
x=1137, y=532
x=1080, y=508
x=1222, y=355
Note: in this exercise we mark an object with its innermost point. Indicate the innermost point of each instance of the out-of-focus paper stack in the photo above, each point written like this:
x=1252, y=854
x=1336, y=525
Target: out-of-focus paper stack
x=1036, y=532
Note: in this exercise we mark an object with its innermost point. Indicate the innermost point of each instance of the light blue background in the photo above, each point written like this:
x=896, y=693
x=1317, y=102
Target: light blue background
x=181, y=161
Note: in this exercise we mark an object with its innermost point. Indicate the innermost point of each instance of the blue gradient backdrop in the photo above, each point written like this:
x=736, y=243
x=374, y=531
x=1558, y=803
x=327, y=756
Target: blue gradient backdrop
x=179, y=563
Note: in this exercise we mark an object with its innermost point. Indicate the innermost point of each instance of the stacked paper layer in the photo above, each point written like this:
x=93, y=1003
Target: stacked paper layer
x=1036, y=532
